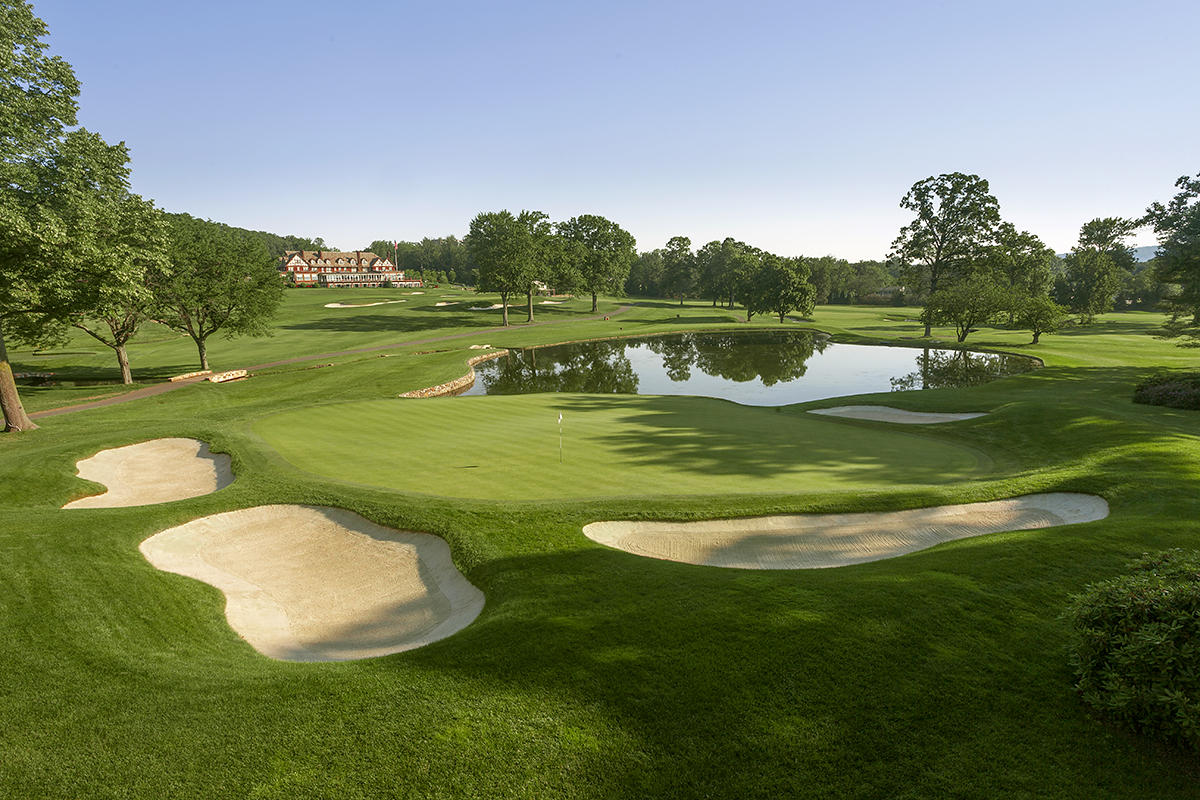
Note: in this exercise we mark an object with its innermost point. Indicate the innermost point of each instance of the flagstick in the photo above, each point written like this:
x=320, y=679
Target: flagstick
x=560, y=437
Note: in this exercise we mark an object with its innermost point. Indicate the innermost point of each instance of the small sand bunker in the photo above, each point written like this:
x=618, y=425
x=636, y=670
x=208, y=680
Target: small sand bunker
x=814, y=541
x=551, y=303
x=416, y=293
x=157, y=471
x=451, y=303
x=363, y=305
x=492, y=307
x=303, y=583
x=889, y=414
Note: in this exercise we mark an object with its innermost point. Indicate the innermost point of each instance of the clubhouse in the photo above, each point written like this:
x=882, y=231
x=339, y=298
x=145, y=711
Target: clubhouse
x=335, y=270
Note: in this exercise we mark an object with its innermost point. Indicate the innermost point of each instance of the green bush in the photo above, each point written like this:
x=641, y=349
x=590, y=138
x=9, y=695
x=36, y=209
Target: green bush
x=1136, y=646
x=1176, y=391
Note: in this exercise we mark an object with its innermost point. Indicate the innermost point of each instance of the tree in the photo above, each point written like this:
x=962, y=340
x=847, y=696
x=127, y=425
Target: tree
x=779, y=286
x=500, y=246
x=679, y=268
x=540, y=252
x=646, y=275
x=118, y=242
x=1177, y=225
x=1039, y=314
x=220, y=279
x=1089, y=282
x=1020, y=262
x=37, y=104
x=966, y=304
x=608, y=254
x=955, y=220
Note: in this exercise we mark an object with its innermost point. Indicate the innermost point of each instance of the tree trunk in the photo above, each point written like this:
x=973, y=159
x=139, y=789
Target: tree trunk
x=1036, y=335
x=123, y=360
x=504, y=307
x=748, y=315
x=15, y=418
x=782, y=314
x=593, y=302
x=203, y=348
x=529, y=297
x=927, y=327
x=681, y=301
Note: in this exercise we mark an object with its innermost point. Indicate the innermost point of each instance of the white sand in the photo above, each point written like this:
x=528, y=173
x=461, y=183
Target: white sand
x=451, y=303
x=551, y=303
x=889, y=414
x=157, y=471
x=492, y=307
x=304, y=583
x=812, y=541
x=416, y=293
x=363, y=305
x=480, y=347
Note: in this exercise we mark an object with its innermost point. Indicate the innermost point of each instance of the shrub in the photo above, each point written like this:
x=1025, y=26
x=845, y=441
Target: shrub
x=1136, y=646
x=1176, y=391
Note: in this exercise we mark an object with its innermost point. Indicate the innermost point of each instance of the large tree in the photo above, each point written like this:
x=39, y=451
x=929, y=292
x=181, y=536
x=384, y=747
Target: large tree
x=1089, y=282
x=679, y=268
x=956, y=217
x=1178, y=261
x=608, y=252
x=1020, y=262
x=37, y=104
x=779, y=286
x=501, y=247
x=114, y=241
x=221, y=279
x=966, y=304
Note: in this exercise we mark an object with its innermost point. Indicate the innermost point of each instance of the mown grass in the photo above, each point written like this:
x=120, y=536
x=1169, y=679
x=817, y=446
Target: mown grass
x=593, y=673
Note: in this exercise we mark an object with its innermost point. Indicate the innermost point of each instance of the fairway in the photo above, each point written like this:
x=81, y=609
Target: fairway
x=508, y=448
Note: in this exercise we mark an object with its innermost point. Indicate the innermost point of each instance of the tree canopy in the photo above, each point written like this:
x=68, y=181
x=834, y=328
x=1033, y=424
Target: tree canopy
x=1177, y=224
x=608, y=252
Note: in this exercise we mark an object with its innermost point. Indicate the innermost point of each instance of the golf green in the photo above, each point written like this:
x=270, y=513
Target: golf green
x=508, y=448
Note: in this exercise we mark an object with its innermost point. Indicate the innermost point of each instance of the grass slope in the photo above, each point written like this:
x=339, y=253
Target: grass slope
x=593, y=673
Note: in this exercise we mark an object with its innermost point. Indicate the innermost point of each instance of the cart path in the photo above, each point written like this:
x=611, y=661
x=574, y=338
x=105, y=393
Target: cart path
x=163, y=388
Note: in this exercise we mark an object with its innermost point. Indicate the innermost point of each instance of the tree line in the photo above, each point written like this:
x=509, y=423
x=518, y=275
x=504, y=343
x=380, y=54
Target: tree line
x=79, y=250
x=967, y=267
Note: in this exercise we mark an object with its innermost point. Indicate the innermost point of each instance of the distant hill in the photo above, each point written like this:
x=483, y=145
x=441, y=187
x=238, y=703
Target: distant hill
x=1145, y=253
x=1140, y=254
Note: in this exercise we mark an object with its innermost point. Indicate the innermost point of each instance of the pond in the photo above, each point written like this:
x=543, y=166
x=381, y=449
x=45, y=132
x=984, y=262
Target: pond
x=753, y=368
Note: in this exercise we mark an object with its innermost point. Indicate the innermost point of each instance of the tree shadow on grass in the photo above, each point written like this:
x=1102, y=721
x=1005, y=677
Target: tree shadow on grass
x=716, y=437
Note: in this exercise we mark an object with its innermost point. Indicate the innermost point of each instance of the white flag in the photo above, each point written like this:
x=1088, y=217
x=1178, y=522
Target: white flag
x=560, y=418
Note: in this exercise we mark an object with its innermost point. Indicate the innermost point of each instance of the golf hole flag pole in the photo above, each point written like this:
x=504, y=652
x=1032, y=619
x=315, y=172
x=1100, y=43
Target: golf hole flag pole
x=560, y=437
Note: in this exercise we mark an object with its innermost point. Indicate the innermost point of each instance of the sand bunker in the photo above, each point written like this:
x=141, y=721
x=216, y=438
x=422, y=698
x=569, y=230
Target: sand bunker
x=416, y=293
x=451, y=303
x=813, y=541
x=492, y=307
x=363, y=305
x=889, y=414
x=304, y=583
x=157, y=471
x=551, y=303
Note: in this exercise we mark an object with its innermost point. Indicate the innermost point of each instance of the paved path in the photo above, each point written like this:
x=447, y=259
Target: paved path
x=163, y=388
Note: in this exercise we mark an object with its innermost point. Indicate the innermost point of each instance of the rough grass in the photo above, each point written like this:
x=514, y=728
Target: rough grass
x=593, y=673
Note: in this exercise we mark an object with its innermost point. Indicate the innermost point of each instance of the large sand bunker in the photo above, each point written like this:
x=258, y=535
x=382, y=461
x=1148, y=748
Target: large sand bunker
x=363, y=305
x=157, y=471
x=813, y=541
x=304, y=583
x=889, y=414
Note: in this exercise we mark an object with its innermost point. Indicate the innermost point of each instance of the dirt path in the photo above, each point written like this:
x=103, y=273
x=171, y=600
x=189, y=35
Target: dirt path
x=163, y=388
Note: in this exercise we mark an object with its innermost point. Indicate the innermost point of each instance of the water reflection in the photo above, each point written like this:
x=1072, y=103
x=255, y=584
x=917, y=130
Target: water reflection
x=756, y=368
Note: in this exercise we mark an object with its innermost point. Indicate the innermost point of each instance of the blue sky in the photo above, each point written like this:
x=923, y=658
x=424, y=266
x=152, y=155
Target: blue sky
x=794, y=126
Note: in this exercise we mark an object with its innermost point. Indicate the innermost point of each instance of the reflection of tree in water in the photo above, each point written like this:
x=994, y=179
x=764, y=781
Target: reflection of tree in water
x=954, y=369
x=737, y=356
x=592, y=368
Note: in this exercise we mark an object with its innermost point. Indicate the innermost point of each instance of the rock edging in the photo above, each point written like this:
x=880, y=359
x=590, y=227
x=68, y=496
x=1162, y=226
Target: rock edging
x=458, y=384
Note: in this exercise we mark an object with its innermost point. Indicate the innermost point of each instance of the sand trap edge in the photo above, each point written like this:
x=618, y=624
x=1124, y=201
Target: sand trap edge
x=895, y=415
x=94, y=469
x=1064, y=508
x=264, y=624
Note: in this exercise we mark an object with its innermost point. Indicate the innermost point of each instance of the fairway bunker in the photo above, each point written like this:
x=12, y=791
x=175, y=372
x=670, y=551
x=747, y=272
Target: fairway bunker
x=157, y=471
x=363, y=305
x=889, y=414
x=815, y=541
x=306, y=583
